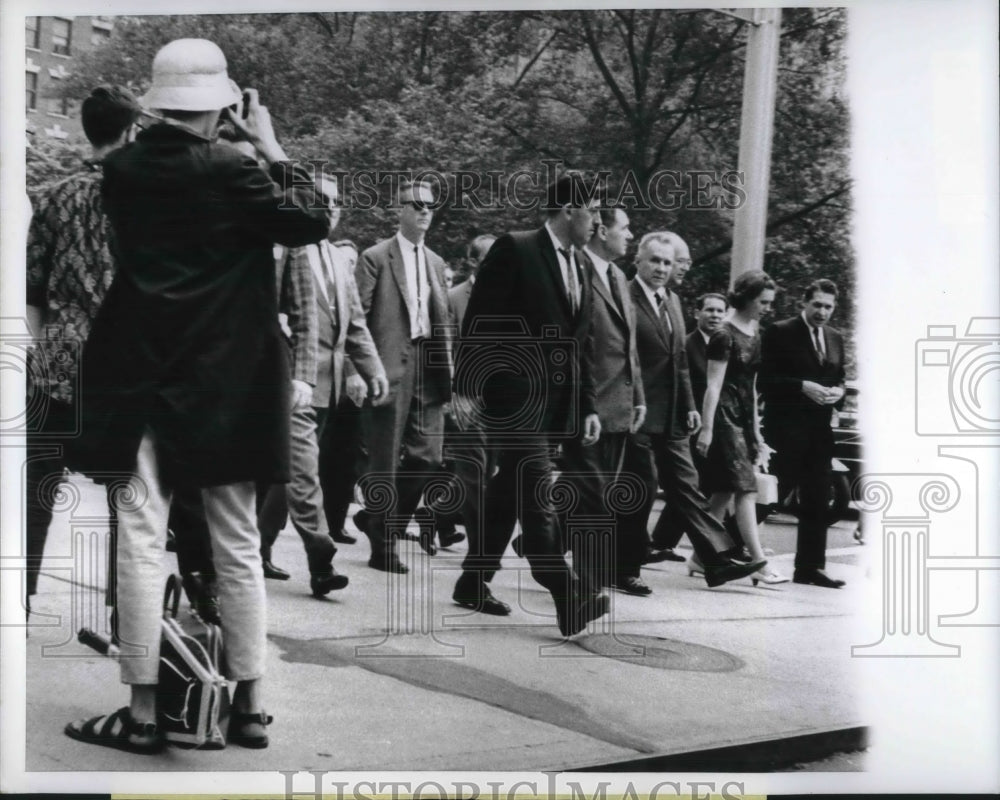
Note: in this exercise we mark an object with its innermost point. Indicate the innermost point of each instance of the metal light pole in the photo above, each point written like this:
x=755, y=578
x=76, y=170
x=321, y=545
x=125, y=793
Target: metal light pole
x=756, y=131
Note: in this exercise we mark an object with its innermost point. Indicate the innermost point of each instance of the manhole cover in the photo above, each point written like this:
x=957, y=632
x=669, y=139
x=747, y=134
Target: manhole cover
x=660, y=653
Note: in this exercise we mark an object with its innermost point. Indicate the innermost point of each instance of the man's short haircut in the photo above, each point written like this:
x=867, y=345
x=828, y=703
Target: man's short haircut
x=609, y=215
x=823, y=285
x=346, y=243
x=749, y=286
x=408, y=184
x=657, y=237
x=572, y=189
x=710, y=296
x=107, y=113
x=480, y=246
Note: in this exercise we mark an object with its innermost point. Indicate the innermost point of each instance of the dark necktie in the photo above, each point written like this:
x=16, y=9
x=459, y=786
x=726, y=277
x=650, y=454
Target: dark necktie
x=661, y=306
x=615, y=292
x=573, y=287
x=420, y=308
x=819, y=346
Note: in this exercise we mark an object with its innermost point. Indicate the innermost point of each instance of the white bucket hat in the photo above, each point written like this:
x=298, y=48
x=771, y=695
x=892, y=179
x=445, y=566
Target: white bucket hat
x=190, y=75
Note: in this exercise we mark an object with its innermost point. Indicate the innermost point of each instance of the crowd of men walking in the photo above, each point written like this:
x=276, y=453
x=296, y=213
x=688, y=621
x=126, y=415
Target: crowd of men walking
x=243, y=368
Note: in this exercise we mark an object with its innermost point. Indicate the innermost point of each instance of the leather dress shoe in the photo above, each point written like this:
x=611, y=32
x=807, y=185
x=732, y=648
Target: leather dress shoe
x=324, y=584
x=718, y=574
x=816, y=577
x=362, y=519
x=343, y=537
x=388, y=562
x=654, y=555
x=574, y=611
x=426, y=538
x=274, y=573
x=632, y=585
x=447, y=538
x=478, y=597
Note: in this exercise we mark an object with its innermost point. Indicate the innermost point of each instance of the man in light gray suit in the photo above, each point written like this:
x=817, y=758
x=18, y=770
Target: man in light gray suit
x=402, y=290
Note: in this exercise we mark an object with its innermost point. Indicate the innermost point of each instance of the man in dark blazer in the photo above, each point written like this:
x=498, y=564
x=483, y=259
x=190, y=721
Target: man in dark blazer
x=621, y=406
x=661, y=450
x=802, y=380
x=402, y=290
x=337, y=325
x=185, y=373
x=523, y=383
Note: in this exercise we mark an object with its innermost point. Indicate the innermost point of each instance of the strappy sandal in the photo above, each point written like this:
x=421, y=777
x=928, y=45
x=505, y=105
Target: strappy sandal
x=118, y=730
x=238, y=723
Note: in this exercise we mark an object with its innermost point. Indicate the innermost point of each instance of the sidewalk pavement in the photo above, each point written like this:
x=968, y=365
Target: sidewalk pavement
x=389, y=674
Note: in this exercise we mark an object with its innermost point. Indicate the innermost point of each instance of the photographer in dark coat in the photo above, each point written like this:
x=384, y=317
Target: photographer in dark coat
x=185, y=375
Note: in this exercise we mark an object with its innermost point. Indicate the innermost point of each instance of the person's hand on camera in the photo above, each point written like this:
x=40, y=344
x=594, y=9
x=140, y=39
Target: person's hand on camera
x=253, y=123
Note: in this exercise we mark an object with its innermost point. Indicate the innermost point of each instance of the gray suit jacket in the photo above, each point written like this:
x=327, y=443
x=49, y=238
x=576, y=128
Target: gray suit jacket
x=341, y=326
x=615, y=363
x=381, y=280
x=663, y=358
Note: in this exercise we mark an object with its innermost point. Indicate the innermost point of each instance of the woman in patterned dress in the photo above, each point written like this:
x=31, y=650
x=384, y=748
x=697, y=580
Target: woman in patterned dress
x=730, y=439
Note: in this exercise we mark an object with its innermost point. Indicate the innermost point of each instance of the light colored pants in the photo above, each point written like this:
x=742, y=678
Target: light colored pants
x=142, y=534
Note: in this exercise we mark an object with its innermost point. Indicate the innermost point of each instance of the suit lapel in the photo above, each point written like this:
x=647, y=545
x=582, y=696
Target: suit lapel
x=551, y=260
x=343, y=301
x=643, y=304
x=673, y=305
x=398, y=269
x=810, y=345
x=602, y=290
x=314, y=255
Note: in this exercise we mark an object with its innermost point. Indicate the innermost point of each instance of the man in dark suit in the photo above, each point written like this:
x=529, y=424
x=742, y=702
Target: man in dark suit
x=402, y=290
x=661, y=450
x=523, y=383
x=802, y=379
x=621, y=406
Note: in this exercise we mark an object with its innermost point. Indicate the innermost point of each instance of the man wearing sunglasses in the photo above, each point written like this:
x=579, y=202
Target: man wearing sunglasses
x=402, y=289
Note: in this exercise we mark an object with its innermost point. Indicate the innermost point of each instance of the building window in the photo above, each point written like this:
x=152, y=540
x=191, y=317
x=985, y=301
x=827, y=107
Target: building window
x=61, y=31
x=99, y=36
x=30, y=91
x=59, y=106
x=32, y=32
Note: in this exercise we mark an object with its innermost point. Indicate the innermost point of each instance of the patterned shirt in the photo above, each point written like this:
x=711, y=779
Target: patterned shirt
x=69, y=271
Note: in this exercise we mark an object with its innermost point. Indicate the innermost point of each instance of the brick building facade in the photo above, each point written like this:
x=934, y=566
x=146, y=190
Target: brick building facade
x=51, y=46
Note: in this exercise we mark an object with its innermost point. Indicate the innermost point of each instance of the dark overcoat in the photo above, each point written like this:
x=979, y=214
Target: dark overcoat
x=188, y=342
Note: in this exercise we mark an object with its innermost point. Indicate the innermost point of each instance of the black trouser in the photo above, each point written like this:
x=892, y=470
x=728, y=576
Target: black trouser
x=523, y=485
x=602, y=551
x=340, y=456
x=802, y=461
x=50, y=425
x=658, y=459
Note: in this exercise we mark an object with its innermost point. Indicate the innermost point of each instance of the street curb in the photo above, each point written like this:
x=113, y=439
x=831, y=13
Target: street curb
x=765, y=755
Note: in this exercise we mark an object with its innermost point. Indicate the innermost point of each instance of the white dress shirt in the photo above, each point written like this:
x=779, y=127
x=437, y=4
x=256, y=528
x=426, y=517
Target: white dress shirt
x=603, y=267
x=570, y=279
x=420, y=318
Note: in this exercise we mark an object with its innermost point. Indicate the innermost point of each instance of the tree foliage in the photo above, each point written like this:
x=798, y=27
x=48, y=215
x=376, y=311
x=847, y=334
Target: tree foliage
x=631, y=92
